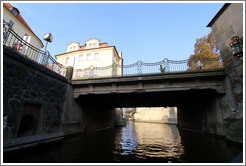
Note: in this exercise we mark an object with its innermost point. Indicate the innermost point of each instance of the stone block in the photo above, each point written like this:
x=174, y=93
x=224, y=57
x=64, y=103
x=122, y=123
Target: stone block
x=239, y=97
x=228, y=61
x=239, y=70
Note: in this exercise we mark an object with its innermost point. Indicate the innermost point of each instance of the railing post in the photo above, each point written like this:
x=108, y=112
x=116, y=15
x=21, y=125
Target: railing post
x=166, y=64
x=139, y=67
x=69, y=72
x=91, y=71
x=114, y=68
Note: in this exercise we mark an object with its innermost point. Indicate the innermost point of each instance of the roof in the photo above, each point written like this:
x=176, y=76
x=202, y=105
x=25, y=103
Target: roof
x=9, y=7
x=83, y=49
x=226, y=5
x=100, y=45
x=93, y=39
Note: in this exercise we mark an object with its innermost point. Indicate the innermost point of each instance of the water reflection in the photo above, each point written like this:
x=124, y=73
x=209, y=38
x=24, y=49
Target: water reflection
x=134, y=143
x=149, y=140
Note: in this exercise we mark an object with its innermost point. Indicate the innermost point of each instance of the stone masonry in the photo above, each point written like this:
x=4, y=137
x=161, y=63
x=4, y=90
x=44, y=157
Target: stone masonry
x=228, y=23
x=33, y=98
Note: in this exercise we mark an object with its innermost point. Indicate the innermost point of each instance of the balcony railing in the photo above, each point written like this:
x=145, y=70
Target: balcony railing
x=141, y=68
x=12, y=40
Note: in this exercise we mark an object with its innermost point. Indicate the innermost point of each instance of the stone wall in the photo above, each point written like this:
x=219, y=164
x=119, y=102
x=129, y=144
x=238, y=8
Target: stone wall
x=226, y=24
x=82, y=116
x=33, y=97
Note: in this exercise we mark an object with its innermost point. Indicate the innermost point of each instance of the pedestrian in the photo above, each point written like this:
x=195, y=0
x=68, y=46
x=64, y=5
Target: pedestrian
x=162, y=69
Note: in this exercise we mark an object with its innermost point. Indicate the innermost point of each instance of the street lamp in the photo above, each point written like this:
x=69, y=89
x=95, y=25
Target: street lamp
x=237, y=46
x=48, y=38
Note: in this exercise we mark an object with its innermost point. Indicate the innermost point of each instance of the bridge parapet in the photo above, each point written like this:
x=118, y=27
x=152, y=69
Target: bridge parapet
x=142, y=68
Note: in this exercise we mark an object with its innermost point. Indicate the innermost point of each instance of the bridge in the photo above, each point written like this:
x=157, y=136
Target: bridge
x=164, y=89
x=32, y=81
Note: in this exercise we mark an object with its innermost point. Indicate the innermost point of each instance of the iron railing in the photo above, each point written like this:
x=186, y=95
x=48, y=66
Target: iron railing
x=141, y=68
x=12, y=40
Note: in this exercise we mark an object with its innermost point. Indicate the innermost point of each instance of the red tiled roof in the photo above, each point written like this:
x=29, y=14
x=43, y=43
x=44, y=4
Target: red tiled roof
x=9, y=7
x=100, y=45
x=103, y=44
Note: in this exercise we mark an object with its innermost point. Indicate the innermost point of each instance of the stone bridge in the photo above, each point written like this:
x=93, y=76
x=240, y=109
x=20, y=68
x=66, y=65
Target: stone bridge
x=163, y=89
x=203, y=98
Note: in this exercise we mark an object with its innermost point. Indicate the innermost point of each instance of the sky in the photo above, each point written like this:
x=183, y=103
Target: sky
x=148, y=32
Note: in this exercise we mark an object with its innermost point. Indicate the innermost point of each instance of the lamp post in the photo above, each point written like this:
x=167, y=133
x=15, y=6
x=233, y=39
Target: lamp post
x=48, y=38
x=236, y=46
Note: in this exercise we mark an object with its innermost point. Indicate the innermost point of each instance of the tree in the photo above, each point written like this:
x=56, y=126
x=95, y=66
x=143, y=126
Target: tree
x=206, y=54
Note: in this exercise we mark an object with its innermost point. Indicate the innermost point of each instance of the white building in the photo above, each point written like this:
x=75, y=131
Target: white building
x=90, y=59
x=156, y=114
x=12, y=16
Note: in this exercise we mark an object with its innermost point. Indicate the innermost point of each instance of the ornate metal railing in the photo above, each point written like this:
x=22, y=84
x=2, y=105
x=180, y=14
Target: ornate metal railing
x=141, y=68
x=12, y=40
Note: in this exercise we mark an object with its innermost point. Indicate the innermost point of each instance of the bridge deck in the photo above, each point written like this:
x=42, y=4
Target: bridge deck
x=152, y=83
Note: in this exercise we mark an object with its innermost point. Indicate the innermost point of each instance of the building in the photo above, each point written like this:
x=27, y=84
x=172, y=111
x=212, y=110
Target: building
x=94, y=59
x=156, y=114
x=13, y=18
x=227, y=23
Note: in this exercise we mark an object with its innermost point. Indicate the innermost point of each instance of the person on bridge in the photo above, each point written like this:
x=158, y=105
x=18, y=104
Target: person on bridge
x=162, y=69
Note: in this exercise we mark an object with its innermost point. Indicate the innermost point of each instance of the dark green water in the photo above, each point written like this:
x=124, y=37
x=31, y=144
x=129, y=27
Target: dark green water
x=135, y=143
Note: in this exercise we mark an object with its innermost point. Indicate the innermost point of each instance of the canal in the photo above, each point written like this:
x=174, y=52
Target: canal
x=134, y=143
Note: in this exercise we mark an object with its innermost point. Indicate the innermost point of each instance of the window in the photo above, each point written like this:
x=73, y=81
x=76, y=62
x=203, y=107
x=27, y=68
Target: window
x=15, y=12
x=5, y=34
x=96, y=56
x=27, y=38
x=73, y=48
x=67, y=60
x=11, y=23
x=94, y=72
x=78, y=73
x=90, y=45
x=88, y=57
x=80, y=58
x=94, y=45
x=87, y=71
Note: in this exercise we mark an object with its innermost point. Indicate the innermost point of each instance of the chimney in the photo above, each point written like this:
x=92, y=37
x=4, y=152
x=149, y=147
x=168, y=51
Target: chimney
x=120, y=54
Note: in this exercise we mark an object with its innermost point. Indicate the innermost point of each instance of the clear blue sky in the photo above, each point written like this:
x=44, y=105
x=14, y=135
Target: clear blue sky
x=148, y=32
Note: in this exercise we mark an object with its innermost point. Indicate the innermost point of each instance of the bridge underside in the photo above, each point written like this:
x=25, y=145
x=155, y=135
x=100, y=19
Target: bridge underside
x=201, y=98
x=149, y=99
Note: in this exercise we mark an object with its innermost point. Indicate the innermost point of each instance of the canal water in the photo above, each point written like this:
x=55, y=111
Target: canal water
x=134, y=143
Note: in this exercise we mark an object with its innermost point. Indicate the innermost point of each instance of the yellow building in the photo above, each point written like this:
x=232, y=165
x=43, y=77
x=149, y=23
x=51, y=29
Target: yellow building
x=94, y=59
x=156, y=114
x=13, y=18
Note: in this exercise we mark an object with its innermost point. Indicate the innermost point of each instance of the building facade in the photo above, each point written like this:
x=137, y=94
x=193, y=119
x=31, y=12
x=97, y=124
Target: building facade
x=94, y=59
x=13, y=18
x=227, y=23
x=156, y=114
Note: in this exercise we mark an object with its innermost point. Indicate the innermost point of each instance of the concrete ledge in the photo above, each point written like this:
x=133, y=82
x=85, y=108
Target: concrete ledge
x=31, y=141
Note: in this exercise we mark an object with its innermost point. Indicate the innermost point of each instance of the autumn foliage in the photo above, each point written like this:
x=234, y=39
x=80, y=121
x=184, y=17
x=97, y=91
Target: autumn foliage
x=206, y=54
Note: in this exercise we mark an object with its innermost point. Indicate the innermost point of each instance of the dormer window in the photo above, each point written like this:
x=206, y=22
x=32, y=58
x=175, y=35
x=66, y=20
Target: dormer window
x=92, y=43
x=15, y=12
